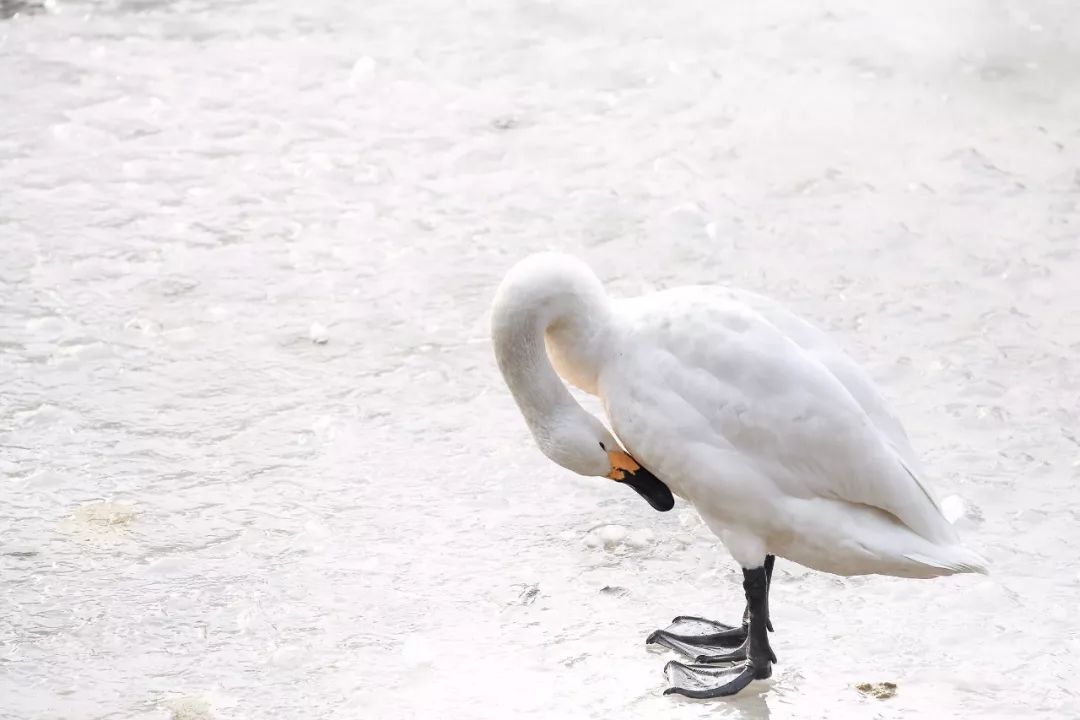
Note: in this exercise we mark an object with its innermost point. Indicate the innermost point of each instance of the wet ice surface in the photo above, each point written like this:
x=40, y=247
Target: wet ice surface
x=257, y=461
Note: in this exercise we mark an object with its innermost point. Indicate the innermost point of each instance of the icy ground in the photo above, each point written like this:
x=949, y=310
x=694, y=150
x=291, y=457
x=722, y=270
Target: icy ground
x=257, y=461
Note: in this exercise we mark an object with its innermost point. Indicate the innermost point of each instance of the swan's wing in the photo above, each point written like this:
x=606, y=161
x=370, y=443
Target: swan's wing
x=722, y=374
x=851, y=375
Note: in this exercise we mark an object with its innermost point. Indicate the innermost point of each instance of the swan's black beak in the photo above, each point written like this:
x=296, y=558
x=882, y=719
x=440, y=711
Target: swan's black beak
x=626, y=470
x=650, y=487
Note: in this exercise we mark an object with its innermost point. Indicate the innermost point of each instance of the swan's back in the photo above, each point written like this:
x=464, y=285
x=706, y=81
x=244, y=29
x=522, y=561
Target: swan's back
x=849, y=373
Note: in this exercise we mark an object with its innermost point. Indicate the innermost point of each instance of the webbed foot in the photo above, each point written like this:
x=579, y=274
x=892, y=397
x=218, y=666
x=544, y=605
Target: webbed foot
x=744, y=650
x=711, y=680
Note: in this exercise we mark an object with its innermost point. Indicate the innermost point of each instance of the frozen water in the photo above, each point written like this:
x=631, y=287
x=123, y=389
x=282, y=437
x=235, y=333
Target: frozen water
x=205, y=513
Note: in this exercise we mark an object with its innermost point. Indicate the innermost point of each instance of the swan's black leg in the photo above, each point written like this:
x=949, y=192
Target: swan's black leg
x=709, y=680
x=770, y=560
x=708, y=641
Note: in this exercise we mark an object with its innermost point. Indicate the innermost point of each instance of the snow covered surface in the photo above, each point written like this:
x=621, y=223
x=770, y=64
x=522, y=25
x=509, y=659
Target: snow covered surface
x=208, y=511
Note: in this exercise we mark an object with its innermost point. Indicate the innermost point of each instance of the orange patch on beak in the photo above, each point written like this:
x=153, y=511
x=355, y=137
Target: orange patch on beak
x=621, y=463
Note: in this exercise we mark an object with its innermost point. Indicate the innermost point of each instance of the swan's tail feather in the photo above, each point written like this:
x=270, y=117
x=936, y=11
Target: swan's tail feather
x=953, y=559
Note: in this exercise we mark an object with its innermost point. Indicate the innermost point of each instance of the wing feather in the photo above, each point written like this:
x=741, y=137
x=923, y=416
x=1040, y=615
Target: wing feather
x=767, y=390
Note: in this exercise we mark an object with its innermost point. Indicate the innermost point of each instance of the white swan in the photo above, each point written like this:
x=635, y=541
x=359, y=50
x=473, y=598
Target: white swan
x=778, y=438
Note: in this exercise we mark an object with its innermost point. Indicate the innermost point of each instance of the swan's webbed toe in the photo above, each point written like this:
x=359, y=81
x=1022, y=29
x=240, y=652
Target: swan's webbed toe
x=723, y=646
x=703, y=681
x=698, y=638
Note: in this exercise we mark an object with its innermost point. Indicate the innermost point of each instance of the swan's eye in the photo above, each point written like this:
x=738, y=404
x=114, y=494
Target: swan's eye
x=602, y=447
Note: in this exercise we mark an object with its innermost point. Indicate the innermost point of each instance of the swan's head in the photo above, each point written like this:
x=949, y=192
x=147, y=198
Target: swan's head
x=581, y=443
x=556, y=296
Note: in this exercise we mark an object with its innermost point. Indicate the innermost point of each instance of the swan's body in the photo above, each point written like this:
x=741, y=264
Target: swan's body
x=784, y=445
x=774, y=434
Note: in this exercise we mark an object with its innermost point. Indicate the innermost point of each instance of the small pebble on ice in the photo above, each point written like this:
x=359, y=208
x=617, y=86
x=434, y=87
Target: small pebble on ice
x=529, y=594
x=880, y=690
x=319, y=334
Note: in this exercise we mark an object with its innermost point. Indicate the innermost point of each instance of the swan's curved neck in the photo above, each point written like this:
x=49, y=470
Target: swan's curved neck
x=565, y=305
